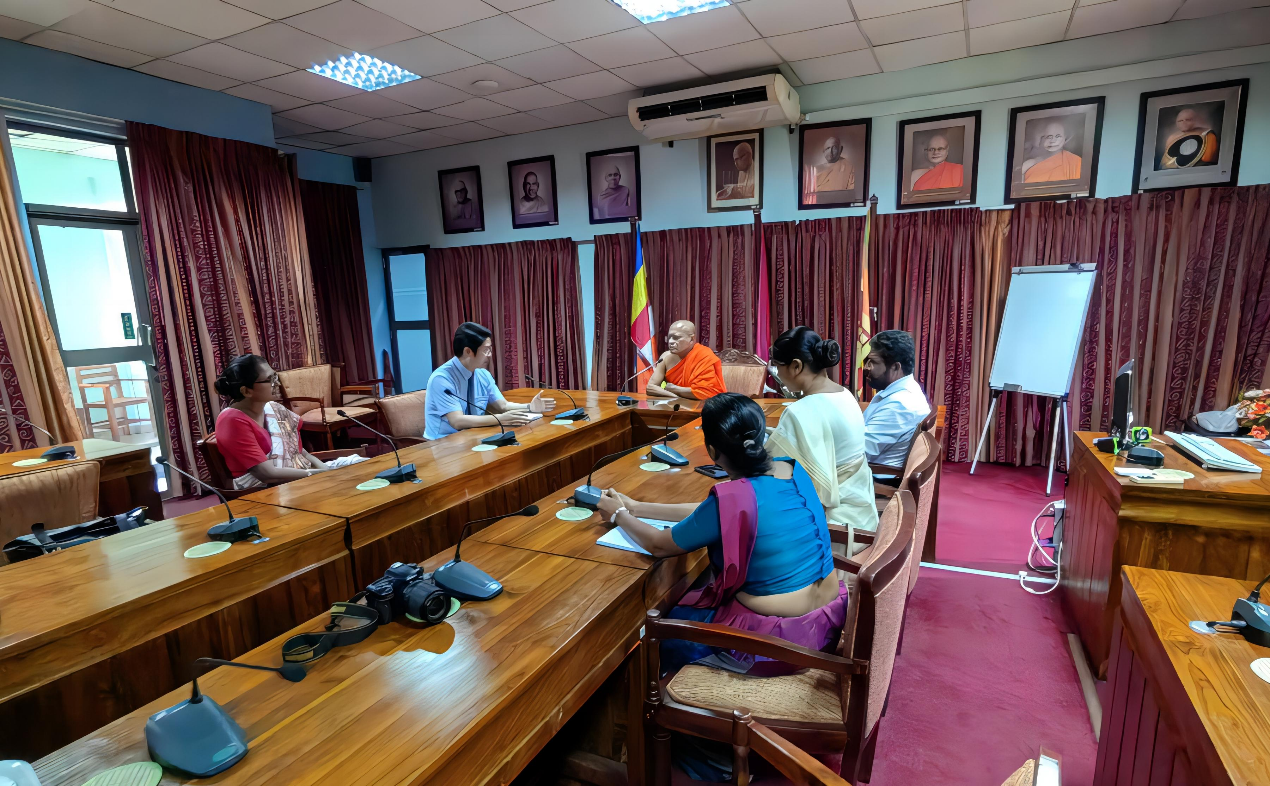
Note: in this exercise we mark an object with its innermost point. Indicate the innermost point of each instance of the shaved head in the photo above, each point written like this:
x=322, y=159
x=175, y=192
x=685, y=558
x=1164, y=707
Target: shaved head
x=684, y=326
x=681, y=337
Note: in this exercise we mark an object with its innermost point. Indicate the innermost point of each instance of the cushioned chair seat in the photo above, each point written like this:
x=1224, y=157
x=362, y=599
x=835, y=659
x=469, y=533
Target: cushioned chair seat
x=315, y=415
x=405, y=415
x=809, y=696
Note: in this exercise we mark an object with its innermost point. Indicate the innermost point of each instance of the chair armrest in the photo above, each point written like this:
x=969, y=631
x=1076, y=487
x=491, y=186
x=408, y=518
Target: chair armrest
x=367, y=382
x=310, y=399
x=722, y=636
x=885, y=469
x=328, y=455
x=404, y=442
x=846, y=564
x=357, y=389
x=885, y=491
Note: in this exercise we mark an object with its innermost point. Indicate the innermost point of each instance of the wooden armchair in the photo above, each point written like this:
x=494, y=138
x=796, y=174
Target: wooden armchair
x=403, y=417
x=315, y=394
x=743, y=372
x=832, y=705
x=224, y=480
x=885, y=475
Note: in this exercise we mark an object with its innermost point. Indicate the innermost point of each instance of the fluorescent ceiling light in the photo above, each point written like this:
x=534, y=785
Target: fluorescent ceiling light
x=656, y=10
x=364, y=71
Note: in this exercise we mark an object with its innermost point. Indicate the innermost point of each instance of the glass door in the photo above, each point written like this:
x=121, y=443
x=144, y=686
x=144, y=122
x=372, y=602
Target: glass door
x=407, y=289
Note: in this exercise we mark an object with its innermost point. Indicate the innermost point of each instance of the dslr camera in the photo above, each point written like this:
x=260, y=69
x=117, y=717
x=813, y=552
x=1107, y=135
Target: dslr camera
x=405, y=590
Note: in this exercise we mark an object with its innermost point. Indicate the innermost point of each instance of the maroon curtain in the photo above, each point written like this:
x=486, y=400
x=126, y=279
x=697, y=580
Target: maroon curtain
x=333, y=230
x=815, y=280
x=613, y=354
x=226, y=267
x=528, y=294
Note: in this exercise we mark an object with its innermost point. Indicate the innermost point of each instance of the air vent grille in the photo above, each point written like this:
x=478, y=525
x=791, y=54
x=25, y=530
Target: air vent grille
x=753, y=95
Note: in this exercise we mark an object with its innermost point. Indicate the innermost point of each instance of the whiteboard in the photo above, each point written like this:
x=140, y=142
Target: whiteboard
x=1040, y=332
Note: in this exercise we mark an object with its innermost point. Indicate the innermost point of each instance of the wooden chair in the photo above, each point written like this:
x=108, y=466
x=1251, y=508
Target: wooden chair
x=403, y=417
x=106, y=380
x=223, y=479
x=832, y=705
x=885, y=474
x=315, y=394
x=743, y=372
x=61, y=496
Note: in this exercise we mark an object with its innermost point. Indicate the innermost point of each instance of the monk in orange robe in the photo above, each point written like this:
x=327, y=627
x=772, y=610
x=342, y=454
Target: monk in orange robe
x=688, y=369
x=941, y=173
x=1055, y=162
x=1189, y=123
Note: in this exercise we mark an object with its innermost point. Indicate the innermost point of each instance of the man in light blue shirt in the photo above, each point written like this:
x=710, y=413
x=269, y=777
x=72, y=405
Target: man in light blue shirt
x=898, y=406
x=462, y=390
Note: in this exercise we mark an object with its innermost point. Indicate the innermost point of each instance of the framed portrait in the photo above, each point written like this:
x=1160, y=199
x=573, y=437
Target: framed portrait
x=735, y=171
x=613, y=187
x=1190, y=136
x=1053, y=150
x=462, y=205
x=532, y=182
x=833, y=164
x=938, y=160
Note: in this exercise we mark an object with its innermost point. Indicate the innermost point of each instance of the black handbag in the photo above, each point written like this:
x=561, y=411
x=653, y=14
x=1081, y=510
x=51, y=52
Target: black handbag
x=42, y=541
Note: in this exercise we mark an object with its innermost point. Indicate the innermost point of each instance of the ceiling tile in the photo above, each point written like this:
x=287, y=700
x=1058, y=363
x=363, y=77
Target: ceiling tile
x=433, y=15
x=601, y=83
x=818, y=43
x=208, y=18
x=495, y=38
x=372, y=149
x=659, y=72
x=464, y=78
x=982, y=13
x=280, y=9
x=568, y=114
x=16, y=29
x=423, y=94
x=923, y=51
x=625, y=47
x=1194, y=9
x=843, y=66
x=323, y=116
x=867, y=9
x=738, y=57
x=615, y=106
x=424, y=120
x=520, y=123
x=557, y=62
x=914, y=24
x=277, y=41
x=423, y=140
x=777, y=17
x=108, y=26
x=706, y=30
x=284, y=127
x=105, y=53
x=279, y=102
x=1118, y=15
x=532, y=97
x=175, y=72
x=513, y=5
x=474, y=109
x=425, y=56
x=371, y=105
x=1032, y=31
x=350, y=24
x=235, y=63
x=377, y=129
x=41, y=12
x=299, y=141
x=573, y=20
x=469, y=132
x=334, y=138
x=310, y=86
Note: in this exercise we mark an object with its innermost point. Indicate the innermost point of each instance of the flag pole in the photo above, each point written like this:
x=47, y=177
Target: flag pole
x=763, y=312
x=866, y=310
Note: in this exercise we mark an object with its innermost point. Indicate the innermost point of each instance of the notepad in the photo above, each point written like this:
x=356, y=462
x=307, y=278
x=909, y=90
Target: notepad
x=616, y=538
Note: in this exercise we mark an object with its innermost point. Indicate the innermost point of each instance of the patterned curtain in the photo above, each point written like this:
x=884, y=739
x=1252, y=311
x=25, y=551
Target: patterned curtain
x=226, y=267
x=613, y=355
x=528, y=294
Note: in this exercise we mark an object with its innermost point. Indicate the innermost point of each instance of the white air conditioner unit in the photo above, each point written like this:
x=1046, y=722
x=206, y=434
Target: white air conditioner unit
x=756, y=102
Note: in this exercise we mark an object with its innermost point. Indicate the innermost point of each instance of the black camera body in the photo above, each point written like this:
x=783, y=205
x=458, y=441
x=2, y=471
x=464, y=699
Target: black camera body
x=407, y=591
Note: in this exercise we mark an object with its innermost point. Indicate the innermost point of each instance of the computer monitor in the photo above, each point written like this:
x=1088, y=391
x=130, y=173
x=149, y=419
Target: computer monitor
x=1122, y=402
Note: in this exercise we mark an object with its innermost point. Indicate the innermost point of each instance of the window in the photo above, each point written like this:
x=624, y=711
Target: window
x=408, y=322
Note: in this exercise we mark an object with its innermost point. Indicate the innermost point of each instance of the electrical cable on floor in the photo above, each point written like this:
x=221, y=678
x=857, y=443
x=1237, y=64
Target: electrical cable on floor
x=1052, y=510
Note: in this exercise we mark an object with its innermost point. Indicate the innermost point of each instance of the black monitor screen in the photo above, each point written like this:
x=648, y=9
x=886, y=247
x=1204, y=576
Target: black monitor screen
x=1122, y=404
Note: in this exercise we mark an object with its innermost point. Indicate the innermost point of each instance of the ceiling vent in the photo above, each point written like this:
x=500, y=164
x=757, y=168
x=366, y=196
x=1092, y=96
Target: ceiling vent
x=740, y=105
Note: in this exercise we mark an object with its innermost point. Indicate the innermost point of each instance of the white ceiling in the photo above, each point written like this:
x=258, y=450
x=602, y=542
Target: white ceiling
x=556, y=62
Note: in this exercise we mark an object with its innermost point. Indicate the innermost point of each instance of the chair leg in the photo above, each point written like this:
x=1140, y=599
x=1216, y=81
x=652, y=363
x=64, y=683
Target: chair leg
x=864, y=768
x=659, y=743
x=740, y=765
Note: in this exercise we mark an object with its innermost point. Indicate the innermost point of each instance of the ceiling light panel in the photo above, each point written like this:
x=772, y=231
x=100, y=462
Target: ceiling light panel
x=364, y=71
x=657, y=10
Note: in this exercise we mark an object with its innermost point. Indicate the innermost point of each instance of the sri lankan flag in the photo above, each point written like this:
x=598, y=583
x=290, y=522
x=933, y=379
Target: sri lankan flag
x=641, y=317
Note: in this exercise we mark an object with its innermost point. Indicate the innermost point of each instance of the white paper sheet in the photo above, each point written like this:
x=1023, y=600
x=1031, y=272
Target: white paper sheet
x=617, y=539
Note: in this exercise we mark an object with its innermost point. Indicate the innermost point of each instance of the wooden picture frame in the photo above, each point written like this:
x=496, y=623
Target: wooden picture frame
x=729, y=184
x=1202, y=149
x=530, y=206
x=1069, y=172
x=461, y=213
x=948, y=184
x=609, y=203
x=843, y=181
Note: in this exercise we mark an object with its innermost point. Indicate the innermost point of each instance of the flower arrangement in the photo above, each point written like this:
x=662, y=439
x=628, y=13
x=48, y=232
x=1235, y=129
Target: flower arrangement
x=1253, y=412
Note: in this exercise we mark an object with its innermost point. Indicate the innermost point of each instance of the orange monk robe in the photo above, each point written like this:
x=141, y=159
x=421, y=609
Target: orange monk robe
x=945, y=175
x=701, y=370
x=1060, y=166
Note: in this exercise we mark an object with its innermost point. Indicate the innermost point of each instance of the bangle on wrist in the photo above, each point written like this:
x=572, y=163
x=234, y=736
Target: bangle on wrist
x=613, y=518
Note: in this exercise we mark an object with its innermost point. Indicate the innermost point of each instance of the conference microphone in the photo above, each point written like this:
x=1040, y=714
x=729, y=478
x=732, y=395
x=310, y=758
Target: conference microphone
x=588, y=496
x=231, y=531
x=577, y=413
x=626, y=401
x=464, y=580
x=663, y=452
x=1250, y=617
x=398, y=474
x=503, y=437
x=57, y=452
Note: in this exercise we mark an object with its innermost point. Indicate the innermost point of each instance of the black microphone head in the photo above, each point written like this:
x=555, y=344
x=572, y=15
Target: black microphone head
x=529, y=510
x=163, y=460
x=340, y=412
x=292, y=672
x=671, y=437
x=675, y=408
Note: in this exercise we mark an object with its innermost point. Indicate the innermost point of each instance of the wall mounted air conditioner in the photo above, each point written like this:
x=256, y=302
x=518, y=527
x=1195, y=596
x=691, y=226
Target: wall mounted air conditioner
x=741, y=105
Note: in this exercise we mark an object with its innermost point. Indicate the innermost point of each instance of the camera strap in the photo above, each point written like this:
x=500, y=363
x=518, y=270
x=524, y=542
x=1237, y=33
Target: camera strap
x=350, y=623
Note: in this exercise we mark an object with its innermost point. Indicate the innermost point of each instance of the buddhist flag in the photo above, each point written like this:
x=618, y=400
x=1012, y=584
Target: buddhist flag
x=866, y=312
x=762, y=314
x=641, y=316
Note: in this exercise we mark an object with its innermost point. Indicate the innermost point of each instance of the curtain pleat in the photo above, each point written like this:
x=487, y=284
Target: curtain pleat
x=707, y=275
x=613, y=354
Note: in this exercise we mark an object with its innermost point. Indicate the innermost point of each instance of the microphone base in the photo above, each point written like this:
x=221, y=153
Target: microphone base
x=1257, y=617
x=625, y=401
x=668, y=455
x=235, y=530
x=398, y=474
x=59, y=453
x=465, y=581
x=588, y=497
x=499, y=440
x=196, y=738
x=577, y=413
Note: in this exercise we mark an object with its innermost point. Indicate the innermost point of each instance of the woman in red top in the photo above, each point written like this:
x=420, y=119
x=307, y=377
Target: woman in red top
x=242, y=434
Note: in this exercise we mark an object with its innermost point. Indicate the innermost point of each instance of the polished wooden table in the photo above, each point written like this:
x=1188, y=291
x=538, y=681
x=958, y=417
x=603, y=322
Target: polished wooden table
x=1185, y=707
x=1217, y=523
x=127, y=476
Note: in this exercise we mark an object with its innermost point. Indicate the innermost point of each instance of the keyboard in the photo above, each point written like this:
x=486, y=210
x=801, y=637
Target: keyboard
x=1209, y=454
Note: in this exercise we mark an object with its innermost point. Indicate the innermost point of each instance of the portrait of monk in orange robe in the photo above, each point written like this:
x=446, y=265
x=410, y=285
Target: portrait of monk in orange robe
x=1200, y=145
x=1052, y=161
x=941, y=173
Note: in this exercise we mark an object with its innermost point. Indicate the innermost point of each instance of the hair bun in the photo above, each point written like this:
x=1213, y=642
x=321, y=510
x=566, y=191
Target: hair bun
x=223, y=386
x=827, y=353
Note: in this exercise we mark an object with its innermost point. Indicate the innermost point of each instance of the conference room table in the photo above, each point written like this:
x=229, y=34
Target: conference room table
x=127, y=476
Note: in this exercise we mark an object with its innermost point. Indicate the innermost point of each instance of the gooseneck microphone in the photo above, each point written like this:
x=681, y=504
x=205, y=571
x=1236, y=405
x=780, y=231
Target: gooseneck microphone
x=503, y=437
x=577, y=413
x=291, y=672
x=588, y=496
x=626, y=401
x=230, y=531
x=464, y=580
x=398, y=474
x=1250, y=617
x=663, y=452
x=57, y=452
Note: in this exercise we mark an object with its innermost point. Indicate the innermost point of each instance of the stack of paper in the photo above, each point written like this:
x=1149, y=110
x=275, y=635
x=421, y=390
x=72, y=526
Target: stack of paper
x=617, y=539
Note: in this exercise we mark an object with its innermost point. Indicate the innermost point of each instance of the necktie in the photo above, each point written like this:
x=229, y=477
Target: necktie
x=471, y=392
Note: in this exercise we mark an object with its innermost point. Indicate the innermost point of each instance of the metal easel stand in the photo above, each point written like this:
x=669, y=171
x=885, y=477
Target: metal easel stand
x=1066, y=434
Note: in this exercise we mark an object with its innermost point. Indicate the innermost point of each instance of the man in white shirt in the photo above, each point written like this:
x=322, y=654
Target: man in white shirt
x=898, y=406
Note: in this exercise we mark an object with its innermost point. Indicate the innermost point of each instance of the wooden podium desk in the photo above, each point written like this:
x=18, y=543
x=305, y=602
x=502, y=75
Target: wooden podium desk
x=1185, y=708
x=127, y=476
x=1217, y=524
x=90, y=633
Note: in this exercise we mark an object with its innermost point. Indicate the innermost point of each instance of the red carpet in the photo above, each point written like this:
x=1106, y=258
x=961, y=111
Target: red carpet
x=985, y=519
